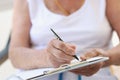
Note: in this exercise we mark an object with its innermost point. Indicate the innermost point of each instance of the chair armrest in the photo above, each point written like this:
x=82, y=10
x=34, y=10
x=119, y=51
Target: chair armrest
x=4, y=52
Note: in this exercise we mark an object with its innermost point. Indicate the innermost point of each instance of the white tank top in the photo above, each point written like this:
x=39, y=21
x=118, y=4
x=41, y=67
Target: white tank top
x=88, y=27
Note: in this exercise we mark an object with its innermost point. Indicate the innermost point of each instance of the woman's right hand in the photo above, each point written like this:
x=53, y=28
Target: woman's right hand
x=59, y=52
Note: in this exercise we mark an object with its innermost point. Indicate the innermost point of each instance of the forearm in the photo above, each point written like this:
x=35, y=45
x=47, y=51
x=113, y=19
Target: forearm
x=26, y=58
x=114, y=55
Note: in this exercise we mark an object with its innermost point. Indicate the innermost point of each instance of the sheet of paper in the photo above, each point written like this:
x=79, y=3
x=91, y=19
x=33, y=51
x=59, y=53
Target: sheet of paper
x=31, y=73
x=40, y=73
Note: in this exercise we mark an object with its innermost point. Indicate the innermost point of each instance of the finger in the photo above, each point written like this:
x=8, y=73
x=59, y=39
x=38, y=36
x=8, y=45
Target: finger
x=91, y=53
x=92, y=70
x=71, y=45
x=86, y=71
x=83, y=57
x=55, y=62
x=101, y=52
x=63, y=46
x=93, y=67
x=60, y=55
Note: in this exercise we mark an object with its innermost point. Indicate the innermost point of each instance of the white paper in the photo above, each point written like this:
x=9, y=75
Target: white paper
x=28, y=75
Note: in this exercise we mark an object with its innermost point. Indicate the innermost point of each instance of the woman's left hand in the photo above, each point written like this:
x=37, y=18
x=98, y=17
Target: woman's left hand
x=92, y=69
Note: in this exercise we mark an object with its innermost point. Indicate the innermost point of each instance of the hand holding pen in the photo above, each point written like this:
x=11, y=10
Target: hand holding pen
x=58, y=53
x=62, y=40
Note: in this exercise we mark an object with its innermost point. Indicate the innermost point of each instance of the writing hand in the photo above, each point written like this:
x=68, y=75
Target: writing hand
x=59, y=52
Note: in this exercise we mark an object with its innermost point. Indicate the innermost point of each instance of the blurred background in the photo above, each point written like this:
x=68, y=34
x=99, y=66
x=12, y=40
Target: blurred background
x=6, y=69
x=6, y=10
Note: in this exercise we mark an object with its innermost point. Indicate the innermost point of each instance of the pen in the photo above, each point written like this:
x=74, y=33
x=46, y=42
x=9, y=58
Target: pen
x=62, y=40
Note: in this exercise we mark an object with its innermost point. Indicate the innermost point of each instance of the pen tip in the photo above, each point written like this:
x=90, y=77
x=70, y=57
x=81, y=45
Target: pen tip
x=76, y=57
x=51, y=29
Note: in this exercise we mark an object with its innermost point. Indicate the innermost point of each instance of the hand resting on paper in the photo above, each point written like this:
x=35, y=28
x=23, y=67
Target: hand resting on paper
x=91, y=69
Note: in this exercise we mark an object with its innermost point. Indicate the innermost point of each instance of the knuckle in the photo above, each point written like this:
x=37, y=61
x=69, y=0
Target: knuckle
x=60, y=54
x=71, y=58
x=62, y=45
x=49, y=49
x=52, y=41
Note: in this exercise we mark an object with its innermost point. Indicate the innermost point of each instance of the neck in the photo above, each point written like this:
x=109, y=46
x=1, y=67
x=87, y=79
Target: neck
x=61, y=7
x=70, y=3
x=69, y=6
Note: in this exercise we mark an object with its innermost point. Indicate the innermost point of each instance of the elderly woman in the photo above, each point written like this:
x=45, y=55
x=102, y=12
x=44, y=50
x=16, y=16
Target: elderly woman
x=83, y=24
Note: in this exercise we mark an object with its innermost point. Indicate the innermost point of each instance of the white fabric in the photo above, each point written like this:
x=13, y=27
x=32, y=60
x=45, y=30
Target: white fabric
x=87, y=28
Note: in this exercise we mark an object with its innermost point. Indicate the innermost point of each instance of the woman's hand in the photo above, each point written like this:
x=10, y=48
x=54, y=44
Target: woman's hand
x=59, y=52
x=92, y=69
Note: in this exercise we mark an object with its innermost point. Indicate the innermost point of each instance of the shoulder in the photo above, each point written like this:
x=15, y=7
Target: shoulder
x=21, y=11
x=20, y=3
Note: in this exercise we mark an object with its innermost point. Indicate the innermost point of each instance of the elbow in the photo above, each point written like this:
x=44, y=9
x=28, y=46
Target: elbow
x=16, y=59
x=13, y=56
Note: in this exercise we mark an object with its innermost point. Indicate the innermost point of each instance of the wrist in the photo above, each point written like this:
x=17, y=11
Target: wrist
x=48, y=62
x=42, y=59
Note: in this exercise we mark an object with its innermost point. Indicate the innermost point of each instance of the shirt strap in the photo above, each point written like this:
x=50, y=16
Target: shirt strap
x=61, y=77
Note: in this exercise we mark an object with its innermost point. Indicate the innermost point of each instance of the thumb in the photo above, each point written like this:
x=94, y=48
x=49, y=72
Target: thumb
x=72, y=46
x=83, y=57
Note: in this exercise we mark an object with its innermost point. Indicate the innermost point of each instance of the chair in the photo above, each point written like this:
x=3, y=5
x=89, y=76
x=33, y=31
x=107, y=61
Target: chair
x=4, y=53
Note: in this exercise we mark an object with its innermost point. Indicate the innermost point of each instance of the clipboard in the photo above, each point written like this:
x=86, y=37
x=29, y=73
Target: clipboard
x=65, y=67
